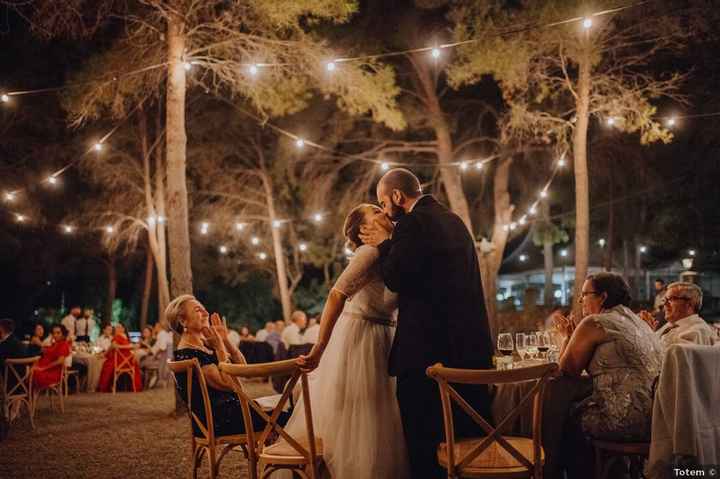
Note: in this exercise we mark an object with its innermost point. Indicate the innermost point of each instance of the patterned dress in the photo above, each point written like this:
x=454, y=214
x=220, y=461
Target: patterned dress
x=623, y=369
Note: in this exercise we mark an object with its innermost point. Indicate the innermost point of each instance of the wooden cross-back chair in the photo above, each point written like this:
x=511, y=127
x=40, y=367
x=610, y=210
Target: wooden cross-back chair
x=20, y=372
x=208, y=442
x=495, y=455
x=56, y=389
x=123, y=364
x=302, y=455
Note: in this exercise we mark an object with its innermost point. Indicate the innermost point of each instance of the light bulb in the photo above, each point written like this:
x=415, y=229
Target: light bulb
x=109, y=229
x=68, y=229
x=223, y=249
x=523, y=258
x=479, y=165
x=533, y=210
x=563, y=253
x=670, y=122
x=98, y=146
x=435, y=52
x=610, y=121
x=20, y=218
x=562, y=162
x=239, y=226
x=523, y=220
x=255, y=240
x=302, y=247
x=151, y=220
x=204, y=228
x=587, y=23
x=262, y=256
x=692, y=252
x=187, y=66
x=602, y=242
x=299, y=142
x=643, y=249
x=318, y=217
x=543, y=194
x=52, y=180
x=464, y=166
x=330, y=66
x=253, y=70
x=276, y=224
x=4, y=98
x=384, y=166
x=9, y=196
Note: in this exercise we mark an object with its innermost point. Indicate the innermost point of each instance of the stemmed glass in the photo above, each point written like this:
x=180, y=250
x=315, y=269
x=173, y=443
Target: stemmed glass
x=531, y=342
x=521, y=344
x=505, y=347
x=543, y=343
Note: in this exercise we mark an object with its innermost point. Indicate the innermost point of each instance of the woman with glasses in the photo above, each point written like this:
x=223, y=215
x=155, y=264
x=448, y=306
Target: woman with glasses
x=623, y=358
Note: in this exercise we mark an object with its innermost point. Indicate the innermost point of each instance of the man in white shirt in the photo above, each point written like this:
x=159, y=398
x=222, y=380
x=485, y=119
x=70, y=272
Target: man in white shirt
x=234, y=337
x=85, y=326
x=312, y=332
x=70, y=321
x=263, y=334
x=683, y=301
x=292, y=334
x=104, y=341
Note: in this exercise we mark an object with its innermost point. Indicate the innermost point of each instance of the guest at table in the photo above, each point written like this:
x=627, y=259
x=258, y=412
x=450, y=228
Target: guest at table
x=279, y=326
x=38, y=340
x=10, y=346
x=48, y=370
x=682, y=303
x=622, y=356
x=262, y=335
x=234, y=337
x=104, y=341
x=292, y=334
x=205, y=338
x=84, y=326
x=146, y=338
x=70, y=321
x=245, y=334
x=106, y=375
x=311, y=333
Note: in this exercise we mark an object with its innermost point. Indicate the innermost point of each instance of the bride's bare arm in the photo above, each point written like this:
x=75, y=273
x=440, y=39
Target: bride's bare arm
x=331, y=312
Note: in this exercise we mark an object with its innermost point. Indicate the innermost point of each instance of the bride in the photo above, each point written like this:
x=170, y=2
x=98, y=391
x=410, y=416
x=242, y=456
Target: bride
x=355, y=411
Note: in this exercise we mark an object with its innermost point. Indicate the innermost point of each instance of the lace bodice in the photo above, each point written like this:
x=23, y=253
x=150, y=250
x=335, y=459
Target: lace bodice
x=362, y=284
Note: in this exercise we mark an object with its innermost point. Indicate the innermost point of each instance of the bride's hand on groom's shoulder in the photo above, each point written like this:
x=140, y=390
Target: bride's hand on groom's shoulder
x=374, y=233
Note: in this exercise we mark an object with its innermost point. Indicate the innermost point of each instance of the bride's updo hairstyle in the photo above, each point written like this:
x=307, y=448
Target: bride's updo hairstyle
x=175, y=310
x=354, y=220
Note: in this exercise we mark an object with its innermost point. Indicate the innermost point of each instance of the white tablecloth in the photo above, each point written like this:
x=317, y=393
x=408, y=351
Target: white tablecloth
x=94, y=364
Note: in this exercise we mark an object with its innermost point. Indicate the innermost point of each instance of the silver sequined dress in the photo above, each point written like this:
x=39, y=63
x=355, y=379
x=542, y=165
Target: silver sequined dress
x=623, y=369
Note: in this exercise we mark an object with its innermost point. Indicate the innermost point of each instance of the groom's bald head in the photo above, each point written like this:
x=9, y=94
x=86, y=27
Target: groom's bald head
x=402, y=180
x=397, y=190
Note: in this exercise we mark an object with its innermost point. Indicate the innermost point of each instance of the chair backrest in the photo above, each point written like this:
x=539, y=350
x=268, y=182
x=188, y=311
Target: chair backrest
x=21, y=372
x=445, y=377
x=124, y=358
x=191, y=369
x=262, y=370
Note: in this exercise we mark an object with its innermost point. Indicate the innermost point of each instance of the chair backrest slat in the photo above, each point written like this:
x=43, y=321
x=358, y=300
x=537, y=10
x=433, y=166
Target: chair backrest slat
x=447, y=376
x=23, y=380
x=191, y=368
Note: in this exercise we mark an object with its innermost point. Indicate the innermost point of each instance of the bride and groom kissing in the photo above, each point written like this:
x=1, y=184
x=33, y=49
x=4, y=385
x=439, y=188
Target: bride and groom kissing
x=410, y=297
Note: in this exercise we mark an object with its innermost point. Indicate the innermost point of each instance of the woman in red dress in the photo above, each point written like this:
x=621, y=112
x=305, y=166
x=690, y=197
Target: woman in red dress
x=106, y=375
x=48, y=370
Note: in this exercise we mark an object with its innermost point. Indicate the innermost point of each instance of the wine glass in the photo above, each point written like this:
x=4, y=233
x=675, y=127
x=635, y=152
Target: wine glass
x=521, y=345
x=505, y=348
x=531, y=344
x=543, y=343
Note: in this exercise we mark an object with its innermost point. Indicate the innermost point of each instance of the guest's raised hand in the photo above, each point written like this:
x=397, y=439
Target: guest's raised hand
x=649, y=318
x=563, y=324
x=219, y=326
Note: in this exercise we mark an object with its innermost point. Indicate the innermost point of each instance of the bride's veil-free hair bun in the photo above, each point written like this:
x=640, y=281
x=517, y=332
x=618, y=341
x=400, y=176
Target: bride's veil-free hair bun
x=351, y=228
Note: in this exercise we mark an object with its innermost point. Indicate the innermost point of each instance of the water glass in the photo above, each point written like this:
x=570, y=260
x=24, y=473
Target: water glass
x=521, y=344
x=531, y=344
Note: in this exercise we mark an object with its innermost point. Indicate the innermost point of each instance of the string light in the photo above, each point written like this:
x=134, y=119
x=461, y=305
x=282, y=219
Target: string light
x=523, y=258
x=9, y=196
x=239, y=226
x=276, y=224
x=563, y=253
x=20, y=218
x=692, y=252
x=602, y=242
x=533, y=210
x=543, y=193
x=384, y=166
x=223, y=249
x=204, y=227
x=161, y=220
x=330, y=66
x=523, y=220
x=435, y=52
x=68, y=229
x=253, y=70
x=151, y=220
x=643, y=249
x=300, y=143
x=464, y=166
x=262, y=256
x=513, y=226
x=479, y=165
x=187, y=66
x=109, y=229
x=562, y=162
x=52, y=179
x=610, y=121
x=98, y=147
x=587, y=23
x=318, y=217
x=670, y=122
x=255, y=240
x=302, y=247
x=4, y=98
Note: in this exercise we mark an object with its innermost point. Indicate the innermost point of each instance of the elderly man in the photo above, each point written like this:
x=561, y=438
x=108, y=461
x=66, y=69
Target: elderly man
x=292, y=334
x=263, y=334
x=683, y=302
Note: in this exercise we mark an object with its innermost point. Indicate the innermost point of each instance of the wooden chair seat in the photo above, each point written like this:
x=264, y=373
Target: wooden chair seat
x=495, y=461
x=283, y=453
x=230, y=439
x=630, y=448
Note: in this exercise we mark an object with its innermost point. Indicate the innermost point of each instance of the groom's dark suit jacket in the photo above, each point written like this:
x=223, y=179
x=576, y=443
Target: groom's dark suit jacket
x=431, y=262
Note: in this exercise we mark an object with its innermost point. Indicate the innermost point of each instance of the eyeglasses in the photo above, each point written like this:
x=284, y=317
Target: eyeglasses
x=585, y=293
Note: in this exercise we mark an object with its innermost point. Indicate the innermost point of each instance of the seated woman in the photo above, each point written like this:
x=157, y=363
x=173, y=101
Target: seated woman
x=245, y=334
x=146, y=340
x=48, y=370
x=622, y=356
x=206, y=339
x=108, y=369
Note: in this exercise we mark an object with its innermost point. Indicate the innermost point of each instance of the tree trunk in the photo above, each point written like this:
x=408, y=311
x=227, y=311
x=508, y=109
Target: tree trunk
x=147, y=289
x=626, y=259
x=111, y=288
x=582, y=189
x=549, y=289
x=161, y=256
x=176, y=143
x=610, y=243
x=280, y=260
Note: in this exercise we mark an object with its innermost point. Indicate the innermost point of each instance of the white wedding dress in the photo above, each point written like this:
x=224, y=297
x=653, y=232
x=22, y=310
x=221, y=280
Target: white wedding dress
x=354, y=407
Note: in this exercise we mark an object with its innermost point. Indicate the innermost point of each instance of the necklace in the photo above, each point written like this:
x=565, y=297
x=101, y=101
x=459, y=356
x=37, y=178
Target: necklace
x=186, y=341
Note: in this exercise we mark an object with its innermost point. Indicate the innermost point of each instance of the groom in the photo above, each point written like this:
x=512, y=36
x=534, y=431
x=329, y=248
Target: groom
x=430, y=260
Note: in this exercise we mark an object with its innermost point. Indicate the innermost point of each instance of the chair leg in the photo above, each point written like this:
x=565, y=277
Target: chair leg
x=212, y=460
x=196, y=461
x=598, y=463
x=62, y=404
